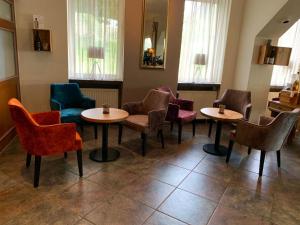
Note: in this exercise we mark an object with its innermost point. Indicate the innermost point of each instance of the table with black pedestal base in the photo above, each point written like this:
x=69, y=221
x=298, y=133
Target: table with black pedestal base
x=96, y=115
x=228, y=116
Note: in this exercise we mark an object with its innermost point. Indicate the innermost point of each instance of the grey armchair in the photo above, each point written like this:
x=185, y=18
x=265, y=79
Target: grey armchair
x=147, y=116
x=236, y=100
x=270, y=135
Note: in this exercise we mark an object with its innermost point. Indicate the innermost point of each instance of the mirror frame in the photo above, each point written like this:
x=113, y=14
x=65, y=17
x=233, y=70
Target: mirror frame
x=163, y=67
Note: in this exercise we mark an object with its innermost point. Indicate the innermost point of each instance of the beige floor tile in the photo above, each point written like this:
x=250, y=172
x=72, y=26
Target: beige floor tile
x=247, y=201
x=113, y=178
x=189, y=208
x=228, y=216
x=149, y=191
x=83, y=197
x=120, y=210
x=204, y=186
x=168, y=173
x=159, y=218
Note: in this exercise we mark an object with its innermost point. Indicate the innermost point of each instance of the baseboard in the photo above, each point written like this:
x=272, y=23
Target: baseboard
x=7, y=138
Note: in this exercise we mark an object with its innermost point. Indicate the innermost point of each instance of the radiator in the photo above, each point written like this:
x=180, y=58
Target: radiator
x=102, y=96
x=201, y=99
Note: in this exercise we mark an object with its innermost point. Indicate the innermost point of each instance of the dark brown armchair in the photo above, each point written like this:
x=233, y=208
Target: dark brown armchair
x=270, y=135
x=147, y=116
x=236, y=100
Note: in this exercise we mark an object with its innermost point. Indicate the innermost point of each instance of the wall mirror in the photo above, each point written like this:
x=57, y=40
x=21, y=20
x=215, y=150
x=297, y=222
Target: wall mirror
x=154, y=34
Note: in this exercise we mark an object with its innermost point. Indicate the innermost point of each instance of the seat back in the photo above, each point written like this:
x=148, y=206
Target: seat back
x=68, y=94
x=25, y=124
x=155, y=100
x=279, y=129
x=236, y=100
x=167, y=89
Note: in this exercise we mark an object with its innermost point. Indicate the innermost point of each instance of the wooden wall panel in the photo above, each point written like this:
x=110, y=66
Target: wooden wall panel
x=8, y=89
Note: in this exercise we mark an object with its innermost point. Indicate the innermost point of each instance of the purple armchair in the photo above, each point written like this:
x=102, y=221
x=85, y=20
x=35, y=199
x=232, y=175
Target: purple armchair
x=269, y=135
x=147, y=116
x=236, y=100
x=180, y=111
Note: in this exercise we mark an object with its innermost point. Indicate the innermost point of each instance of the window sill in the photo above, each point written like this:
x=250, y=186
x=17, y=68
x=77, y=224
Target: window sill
x=197, y=87
x=98, y=84
x=276, y=88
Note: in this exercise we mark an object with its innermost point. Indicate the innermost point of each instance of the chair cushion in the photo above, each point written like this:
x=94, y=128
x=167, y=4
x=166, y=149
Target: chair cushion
x=78, y=142
x=186, y=116
x=137, y=122
x=71, y=115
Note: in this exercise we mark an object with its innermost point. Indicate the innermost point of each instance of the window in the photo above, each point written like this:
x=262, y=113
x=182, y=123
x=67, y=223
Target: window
x=203, y=43
x=95, y=39
x=282, y=75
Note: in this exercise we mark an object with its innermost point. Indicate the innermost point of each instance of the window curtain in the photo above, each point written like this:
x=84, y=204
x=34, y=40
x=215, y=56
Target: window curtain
x=96, y=39
x=203, y=43
x=282, y=75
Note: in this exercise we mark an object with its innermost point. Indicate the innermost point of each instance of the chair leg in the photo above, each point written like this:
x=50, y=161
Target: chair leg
x=278, y=158
x=120, y=133
x=79, y=161
x=172, y=126
x=96, y=131
x=37, y=169
x=144, y=141
x=249, y=150
x=194, y=127
x=231, y=143
x=162, y=140
x=179, y=132
x=28, y=160
x=210, y=127
x=81, y=128
x=65, y=155
x=262, y=161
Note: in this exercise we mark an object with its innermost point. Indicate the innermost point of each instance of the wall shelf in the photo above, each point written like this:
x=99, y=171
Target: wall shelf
x=45, y=37
x=281, y=58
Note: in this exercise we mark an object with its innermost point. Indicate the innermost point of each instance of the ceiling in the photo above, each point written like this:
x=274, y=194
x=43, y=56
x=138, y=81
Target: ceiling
x=275, y=28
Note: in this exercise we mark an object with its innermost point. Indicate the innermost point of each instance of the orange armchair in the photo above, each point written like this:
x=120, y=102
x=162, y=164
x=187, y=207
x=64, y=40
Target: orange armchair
x=42, y=134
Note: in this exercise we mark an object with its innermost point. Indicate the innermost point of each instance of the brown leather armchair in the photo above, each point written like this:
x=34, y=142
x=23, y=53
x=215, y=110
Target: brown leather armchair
x=270, y=135
x=236, y=100
x=147, y=116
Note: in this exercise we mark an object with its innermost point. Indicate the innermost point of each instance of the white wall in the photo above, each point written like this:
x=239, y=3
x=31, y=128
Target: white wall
x=257, y=14
x=39, y=69
x=249, y=75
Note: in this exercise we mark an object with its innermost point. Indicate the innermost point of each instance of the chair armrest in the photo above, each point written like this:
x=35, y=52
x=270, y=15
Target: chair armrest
x=55, y=105
x=184, y=104
x=156, y=119
x=56, y=138
x=247, y=111
x=88, y=103
x=133, y=107
x=47, y=118
x=173, y=111
x=217, y=102
x=265, y=120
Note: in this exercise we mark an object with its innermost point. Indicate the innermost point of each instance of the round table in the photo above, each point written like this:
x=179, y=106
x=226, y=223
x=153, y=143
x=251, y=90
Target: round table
x=96, y=116
x=228, y=116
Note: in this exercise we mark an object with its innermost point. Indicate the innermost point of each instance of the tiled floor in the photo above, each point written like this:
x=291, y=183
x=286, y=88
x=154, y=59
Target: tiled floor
x=177, y=185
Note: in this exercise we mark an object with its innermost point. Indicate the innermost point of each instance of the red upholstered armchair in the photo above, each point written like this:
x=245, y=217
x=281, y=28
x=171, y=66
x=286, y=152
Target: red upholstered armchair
x=180, y=111
x=42, y=134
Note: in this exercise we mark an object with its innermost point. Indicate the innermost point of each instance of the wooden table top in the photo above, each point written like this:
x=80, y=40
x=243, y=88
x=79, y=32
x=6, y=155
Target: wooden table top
x=96, y=115
x=213, y=113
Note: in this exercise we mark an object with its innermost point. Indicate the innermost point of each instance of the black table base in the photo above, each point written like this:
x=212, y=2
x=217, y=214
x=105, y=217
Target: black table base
x=98, y=155
x=215, y=150
x=104, y=154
